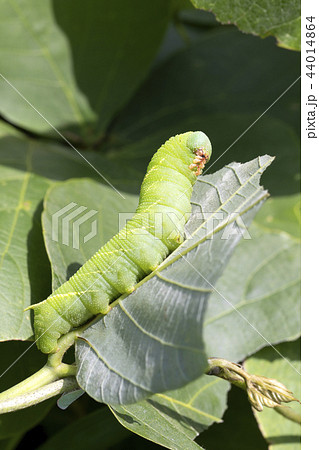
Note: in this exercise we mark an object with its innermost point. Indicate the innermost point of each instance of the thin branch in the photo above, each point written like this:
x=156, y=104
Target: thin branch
x=51, y=390
x=288, y=413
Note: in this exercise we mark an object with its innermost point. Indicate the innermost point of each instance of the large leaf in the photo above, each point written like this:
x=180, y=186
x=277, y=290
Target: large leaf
x=281, y=433
x=258, y=294
x=175, y=418
x=76, y=62
x=262, y=17
x=149, y=356
x=24, y=269
x=221, y=85
x=276, y=216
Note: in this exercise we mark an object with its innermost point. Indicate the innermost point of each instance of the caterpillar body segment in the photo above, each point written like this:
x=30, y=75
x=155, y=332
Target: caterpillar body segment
x=155, y=230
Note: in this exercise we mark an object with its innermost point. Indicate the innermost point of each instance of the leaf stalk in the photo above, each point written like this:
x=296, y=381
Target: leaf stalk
x=54, y=378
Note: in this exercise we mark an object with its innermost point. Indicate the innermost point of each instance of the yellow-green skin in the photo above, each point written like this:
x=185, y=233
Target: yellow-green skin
x=136, y=250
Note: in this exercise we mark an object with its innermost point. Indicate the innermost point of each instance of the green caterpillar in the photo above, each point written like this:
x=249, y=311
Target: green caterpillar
x=137, y=249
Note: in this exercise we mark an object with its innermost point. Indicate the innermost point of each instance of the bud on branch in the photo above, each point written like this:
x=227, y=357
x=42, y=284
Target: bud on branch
x=261, y=391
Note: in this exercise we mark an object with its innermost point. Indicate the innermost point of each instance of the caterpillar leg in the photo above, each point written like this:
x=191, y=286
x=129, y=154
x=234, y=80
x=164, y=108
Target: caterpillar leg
x=48, y=326
x=57, y=316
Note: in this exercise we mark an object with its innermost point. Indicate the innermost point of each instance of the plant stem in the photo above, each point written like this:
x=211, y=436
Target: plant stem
x=38, y=396
x=43, y=377
x=54, y=370
x=288, y=413
x=64, y=343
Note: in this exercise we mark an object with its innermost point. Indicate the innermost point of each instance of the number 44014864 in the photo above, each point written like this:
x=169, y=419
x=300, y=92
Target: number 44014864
x=310, y=41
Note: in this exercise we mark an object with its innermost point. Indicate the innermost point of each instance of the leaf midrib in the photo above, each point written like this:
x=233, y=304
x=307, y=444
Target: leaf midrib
x=25, y=181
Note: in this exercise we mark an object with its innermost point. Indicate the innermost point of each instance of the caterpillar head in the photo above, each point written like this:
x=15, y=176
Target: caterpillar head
x=200, y=145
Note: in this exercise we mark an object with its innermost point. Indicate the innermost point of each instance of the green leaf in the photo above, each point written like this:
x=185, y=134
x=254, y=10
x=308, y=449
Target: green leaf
x=175, y=418
x=77, y=63
x=258, y=294
x=24, y=269
x=263, y=17
x=281, y=215
x=279, y=432
x=221, y=84
x=175, y=294
x=17, y=361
